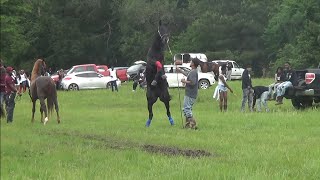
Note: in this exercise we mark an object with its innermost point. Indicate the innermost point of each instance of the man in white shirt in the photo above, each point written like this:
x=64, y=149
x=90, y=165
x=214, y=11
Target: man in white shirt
x=114, y=78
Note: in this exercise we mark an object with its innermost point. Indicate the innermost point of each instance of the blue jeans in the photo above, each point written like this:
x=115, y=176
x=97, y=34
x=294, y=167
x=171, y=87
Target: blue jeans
x=247, y=96
x=263, y=100
x=281, y=89
x=114, y=85
x=10, y=104
x=187, y=106
x=2, y=104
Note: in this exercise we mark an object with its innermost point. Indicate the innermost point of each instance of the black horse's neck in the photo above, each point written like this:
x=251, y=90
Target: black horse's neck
x=156, y=52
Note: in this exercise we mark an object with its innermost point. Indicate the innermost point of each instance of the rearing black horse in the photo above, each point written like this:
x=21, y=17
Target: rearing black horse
x=160, y=90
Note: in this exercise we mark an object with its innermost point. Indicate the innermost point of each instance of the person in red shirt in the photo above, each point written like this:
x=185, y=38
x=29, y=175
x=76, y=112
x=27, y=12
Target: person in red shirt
x=10, y=94
x=160, y=73
x=2, y=88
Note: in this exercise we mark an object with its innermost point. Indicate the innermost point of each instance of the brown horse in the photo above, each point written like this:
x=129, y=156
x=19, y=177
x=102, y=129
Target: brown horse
x=209, y=67
x=43, y=87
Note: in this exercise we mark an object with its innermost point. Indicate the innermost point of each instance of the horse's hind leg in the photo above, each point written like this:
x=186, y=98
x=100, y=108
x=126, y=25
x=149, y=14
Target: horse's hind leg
x=151, y=100
x=57, y=109
x=166, y=100
x=33, y=110
x=43, y=108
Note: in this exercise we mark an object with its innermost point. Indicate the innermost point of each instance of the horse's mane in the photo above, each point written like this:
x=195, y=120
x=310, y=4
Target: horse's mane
x=36, y=69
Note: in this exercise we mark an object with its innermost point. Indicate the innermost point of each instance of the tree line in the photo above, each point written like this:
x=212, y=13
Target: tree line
x=119, y=32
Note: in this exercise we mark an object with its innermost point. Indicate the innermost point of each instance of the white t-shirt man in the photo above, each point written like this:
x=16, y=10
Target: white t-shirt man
x=113, y=75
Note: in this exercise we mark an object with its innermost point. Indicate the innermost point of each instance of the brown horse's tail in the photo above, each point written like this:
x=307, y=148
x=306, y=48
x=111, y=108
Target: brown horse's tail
x=51, y=100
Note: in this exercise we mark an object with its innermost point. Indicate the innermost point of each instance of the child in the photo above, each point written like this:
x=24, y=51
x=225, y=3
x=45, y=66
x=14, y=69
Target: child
x=222, y=89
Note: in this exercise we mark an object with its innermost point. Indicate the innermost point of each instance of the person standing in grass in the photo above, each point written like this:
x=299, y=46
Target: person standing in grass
x=10, y=94
x=222, y=89
x=113, y=75
x=191, y=93
x=247, y=89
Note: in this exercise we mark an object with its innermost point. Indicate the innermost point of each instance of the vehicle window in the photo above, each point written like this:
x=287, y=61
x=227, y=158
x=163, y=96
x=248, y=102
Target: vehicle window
x=235, y=65
x=84, y=75
x=90, y=68
x=93, y=75
x=169, y=70
x=79, y=69
x=101, y=69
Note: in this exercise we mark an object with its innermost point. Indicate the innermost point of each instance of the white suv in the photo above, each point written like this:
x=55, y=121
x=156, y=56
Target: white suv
x=236, y=70
x=205, y=80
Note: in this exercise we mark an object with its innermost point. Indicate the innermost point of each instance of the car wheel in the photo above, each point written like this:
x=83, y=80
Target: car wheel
x=203, y=84
x=299, y=103
x=73, y=87
x=108, y=85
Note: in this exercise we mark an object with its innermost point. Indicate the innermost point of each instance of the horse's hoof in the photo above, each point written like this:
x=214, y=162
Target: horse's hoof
x=148, y=123
x=45, y=121
x=171, y=121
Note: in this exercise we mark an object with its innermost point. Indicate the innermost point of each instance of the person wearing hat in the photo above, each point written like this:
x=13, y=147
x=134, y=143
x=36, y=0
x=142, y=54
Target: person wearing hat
x=10, y=94
x=2, y=88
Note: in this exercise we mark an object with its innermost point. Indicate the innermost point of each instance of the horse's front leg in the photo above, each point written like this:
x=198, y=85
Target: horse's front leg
x=43, y=108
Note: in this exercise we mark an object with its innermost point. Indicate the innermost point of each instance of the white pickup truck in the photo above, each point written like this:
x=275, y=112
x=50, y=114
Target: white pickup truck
x=205, y=80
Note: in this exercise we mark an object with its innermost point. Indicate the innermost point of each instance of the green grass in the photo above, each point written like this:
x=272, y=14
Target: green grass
x=102, y=133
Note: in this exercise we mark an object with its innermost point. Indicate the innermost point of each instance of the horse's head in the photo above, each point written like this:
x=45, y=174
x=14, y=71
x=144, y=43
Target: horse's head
x=42, y=67
x=164, y=33
x=39, y=69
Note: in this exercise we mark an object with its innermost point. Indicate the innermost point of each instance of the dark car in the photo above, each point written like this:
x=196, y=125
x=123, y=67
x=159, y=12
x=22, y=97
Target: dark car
x=134, y=70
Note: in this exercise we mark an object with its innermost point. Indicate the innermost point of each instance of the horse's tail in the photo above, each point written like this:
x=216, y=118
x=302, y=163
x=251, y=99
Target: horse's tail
x=50, y=103
x=51, y=99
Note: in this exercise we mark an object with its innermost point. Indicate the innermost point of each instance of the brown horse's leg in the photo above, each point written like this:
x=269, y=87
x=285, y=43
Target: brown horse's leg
x=57, y=109
x=43, y=108
x=33, y=110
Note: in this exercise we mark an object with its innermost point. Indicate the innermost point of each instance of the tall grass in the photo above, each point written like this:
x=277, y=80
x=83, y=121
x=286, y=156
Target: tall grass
x=101, y=136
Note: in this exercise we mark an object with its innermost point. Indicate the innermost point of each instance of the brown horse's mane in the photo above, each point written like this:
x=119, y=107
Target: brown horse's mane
x=36, y=69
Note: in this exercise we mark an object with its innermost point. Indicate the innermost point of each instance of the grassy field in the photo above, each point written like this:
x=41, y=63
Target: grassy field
x=102, y=136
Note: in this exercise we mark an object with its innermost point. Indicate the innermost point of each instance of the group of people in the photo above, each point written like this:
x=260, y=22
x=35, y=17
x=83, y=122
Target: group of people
x=285, y=77
x=8, y=91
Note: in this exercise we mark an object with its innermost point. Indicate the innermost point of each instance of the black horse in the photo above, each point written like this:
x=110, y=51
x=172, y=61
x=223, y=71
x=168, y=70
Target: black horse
x=160, y=90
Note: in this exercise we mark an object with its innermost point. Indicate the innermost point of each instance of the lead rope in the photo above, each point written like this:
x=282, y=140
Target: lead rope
x=178, y=89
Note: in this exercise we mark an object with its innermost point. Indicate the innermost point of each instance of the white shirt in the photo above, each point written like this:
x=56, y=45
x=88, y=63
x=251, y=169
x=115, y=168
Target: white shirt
x=23, y=77
x=113, y=75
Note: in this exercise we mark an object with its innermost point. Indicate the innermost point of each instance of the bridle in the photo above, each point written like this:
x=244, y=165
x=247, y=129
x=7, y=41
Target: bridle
x=166, y=35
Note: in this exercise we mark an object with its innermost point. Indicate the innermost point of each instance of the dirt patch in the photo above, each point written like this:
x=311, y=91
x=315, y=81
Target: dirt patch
x=174, y=151
x=112, y=143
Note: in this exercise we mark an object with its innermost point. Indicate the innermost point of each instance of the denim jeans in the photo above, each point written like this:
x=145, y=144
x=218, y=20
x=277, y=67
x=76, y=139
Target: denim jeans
x=10, y=104
x=281, y=89
x=247, y=96
x=263, y=100
x=187, y=106
x=2, y=104
x=114, y=85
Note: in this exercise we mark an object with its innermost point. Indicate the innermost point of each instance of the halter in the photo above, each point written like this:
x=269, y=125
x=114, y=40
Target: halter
x=161, y=36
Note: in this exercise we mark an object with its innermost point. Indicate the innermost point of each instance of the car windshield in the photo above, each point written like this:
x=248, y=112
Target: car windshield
x=235, y=65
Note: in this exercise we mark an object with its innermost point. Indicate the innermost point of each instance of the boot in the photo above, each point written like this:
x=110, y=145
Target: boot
x=279, y=100
x=187, y=125
x=193, y=124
